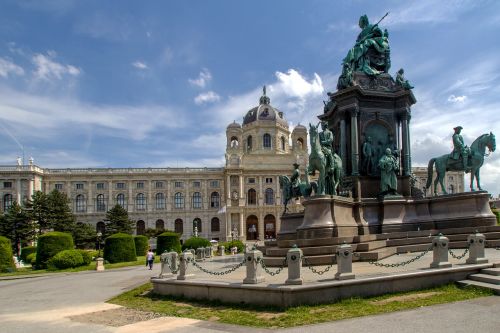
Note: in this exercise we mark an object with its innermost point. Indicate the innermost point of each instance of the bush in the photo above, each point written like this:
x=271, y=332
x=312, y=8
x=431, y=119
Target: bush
x=168, y=241
x=26, y=251
x=6, y=258
x=66, y=259
x=119, y=248
x=195, y=242
x=51, y=244
x=497, y=214
x=141, y=245
x=239, y=244
x=93, y=253
x=87, y=256
x=31, y=258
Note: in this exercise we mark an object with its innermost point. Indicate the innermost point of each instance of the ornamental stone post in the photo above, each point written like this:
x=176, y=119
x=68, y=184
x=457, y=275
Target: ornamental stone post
x=208, y=252
x=476, y=243
x=200, y=254
x=344, y=262
x=222, y=250
x=254, y=269
x=99, y=264
x=183, y=266
x=294, y=262
x=165, y=270
x=440, y=252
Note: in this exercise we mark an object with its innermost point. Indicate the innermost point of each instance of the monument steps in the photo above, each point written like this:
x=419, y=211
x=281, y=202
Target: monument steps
x=492, y=271
x=488, y=278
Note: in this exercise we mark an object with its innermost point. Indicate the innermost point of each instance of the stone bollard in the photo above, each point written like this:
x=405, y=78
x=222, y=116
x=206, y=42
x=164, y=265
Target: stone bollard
x=440, y=252
x=222, y=250
x=208, y=252
x=192, y=251
x=99, y=264
x=254, y=269
x=294, y=262
x=344, y=262
x=200, y=254
x=476, y=243
x=165, y=270
x=183, y=266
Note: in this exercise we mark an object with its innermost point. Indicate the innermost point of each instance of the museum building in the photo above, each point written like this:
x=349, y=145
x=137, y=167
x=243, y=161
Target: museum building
x=241, y=200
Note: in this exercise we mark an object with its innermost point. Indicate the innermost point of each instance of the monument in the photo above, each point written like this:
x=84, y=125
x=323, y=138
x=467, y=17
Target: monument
x=363, y=156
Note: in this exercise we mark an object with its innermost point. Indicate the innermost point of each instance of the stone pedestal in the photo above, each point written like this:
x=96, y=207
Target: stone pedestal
x=294, y=262
x=476, y=249
x=440, y=252
x=344, y=262
x=254, y=269
x=222, y=250
x=99, y=264
x=183, y=266
x=200, y=254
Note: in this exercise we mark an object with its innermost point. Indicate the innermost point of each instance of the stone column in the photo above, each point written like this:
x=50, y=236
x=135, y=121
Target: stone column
x=405, y=117
x=222, y=250
x=440, y=252
x=183, y=266
x=242, y=227
x=254, y=269
x=354, y=141
x=149, y=202
x=294, y=262
x=342, y=141
x=344, y=262
x=260, y=198
x=90, y=208
x=31, y=184
x=476, y=249
x=109, y=202
x=18, y=190
x=242, y=193
x=228, y=191
x=130, y=199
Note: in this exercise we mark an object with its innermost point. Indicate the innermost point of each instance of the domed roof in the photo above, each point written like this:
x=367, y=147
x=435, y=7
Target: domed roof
x=300, y=127
x=234, y=124
x=264, y=112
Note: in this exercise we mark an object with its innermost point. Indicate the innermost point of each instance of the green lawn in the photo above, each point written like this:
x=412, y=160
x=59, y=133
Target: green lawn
x=142, y=298
x=28, y=271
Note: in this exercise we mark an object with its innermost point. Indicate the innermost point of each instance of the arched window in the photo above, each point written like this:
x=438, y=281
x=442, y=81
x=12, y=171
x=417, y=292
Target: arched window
x=197, y=224
x=267, y=140
x=451, y=189
x=7, y=202
x=215, y=200
x=160, y=225
x=269, y=196
x=141, y=227
x=100, y=204
x=140, y=202
x=269, y=227
x=252, y=227
x=179, y=200
x=100, y=227
x=249, y=143
x=120, y=200
x=215, y=225
x=196, y=200
x=283, y=143
x=80, y=203
x=178, y=226
x=252, y=197
x=234, y=142
x=300, y=143
x=160, y=201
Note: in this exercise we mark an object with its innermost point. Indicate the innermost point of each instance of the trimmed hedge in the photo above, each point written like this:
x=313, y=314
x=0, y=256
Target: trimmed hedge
x=31, y=258
x=66, y=259
x=86, y=256
x=26, y=251
x=6, y=257
x=168, y=241
x=141, y=245
x=195, y=242
x=119, y=247
x=50, y=244
x=239, y=244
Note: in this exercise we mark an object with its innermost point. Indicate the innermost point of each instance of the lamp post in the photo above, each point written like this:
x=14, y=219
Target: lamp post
x=99, y=235
x=99, y=261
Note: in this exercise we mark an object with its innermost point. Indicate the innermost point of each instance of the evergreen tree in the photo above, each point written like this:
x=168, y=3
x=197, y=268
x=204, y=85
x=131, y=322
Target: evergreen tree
x=118, y=221
x=38, y=208
x=17, y=226
x=84, y=235
x=60, y=217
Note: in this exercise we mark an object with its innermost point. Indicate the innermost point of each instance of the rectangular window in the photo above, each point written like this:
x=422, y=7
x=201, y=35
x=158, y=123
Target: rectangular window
x=251, y=180
x=140, y=185
x=196, y=184
x=269, y=180
x=7, y=184
x=234, y=180
x=100, y=186
x=79, y=186
x=59, y=187
x=214, y=183
x=120, y=186
x=178, y=184
x=159, y=185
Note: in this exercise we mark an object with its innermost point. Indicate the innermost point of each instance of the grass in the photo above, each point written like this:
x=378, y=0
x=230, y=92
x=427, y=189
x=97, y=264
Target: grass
x=141, y=260
x=142, y=298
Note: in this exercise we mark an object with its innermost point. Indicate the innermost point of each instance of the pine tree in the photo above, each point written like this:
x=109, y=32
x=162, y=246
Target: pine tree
x=84, y=235
x=60, y=217
x=118, y=221
x=38, y=208
x=17, y=226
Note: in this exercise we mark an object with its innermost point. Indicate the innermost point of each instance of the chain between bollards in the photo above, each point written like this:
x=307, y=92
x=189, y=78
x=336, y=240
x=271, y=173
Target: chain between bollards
x=403, y=263
x=460, y=256
x=229, y=271
x=315, y=271
x=283, y=265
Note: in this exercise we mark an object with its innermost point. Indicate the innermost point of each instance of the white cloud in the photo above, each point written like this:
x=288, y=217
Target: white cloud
x=295, y=85
x=457, y=99
x=8, y=67
x=47, y=68
x=140, y=65
x=208, y=97
x=202, y=80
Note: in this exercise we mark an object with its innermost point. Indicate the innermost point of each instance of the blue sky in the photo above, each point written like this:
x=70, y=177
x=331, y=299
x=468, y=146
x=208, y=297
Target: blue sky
x=137, y=84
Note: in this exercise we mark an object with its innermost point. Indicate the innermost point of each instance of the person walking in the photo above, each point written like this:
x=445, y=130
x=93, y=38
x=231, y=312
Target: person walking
x=150, y=258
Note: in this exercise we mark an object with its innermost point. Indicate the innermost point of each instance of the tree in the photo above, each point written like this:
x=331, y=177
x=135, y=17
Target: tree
x=117, y=221
x=17, y=226
x=60, y=217
x=38, y=208
x=84, y=235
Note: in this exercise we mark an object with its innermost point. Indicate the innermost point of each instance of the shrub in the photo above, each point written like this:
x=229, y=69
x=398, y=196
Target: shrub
x=195, y=242
x=66, y=259
x=86, y=256
x=31, y=258
x=141, y=245
x=94, y=253
x=168, y=241
x=26, y=251
x=119, y=248
x=497, y=214
x=6, y=258
x=51, y=244
x=239, y=244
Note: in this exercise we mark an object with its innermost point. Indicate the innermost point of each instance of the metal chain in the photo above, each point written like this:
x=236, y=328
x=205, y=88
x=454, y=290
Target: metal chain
x=403, y=263
x=228, y=271
x=460, y=256
x=315, y=271
x=261, y=261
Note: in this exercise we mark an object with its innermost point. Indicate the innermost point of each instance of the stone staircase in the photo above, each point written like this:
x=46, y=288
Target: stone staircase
x=375, y=247
x=487, y=278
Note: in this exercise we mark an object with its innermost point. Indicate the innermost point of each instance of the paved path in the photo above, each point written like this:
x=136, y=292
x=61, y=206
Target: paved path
x=43, y=304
